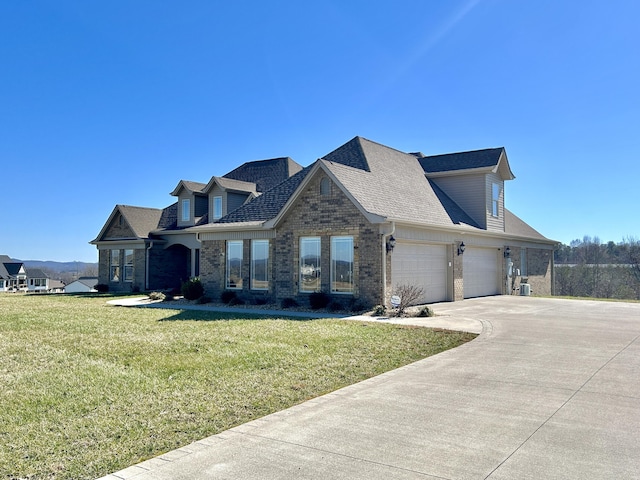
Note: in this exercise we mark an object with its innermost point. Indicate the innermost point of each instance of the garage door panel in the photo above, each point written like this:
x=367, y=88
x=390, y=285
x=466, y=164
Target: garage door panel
x=480, y=272
x=423, y=266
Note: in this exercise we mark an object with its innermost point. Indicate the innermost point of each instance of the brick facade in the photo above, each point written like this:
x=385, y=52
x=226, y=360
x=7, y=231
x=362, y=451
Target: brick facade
x=316, y=215
x=535, y=269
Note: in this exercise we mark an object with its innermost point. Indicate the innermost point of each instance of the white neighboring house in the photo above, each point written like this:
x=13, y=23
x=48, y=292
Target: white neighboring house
x=82, y=285
x=37, y=280
x=13, y=275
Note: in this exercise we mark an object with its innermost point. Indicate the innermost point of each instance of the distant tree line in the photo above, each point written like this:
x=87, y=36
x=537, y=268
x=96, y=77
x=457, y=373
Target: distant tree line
x=591, y=268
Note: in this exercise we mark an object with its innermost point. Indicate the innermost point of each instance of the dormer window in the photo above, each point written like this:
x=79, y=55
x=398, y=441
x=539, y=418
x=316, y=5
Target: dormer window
x=186, y=210
x=495, y=200
x=217, y=207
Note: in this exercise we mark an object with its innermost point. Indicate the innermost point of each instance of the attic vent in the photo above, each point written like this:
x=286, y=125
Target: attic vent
x=325, y=186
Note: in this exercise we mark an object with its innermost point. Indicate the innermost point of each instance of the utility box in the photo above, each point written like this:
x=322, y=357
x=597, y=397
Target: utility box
x=525, y=289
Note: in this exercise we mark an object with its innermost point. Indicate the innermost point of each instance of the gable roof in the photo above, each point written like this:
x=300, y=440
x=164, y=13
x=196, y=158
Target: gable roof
x=141, y=220
x=269, y=204
x=189, y=186
x=36, y=273
x=266, y=174
x=489, y=159
x=392, y=185
x=232, y=185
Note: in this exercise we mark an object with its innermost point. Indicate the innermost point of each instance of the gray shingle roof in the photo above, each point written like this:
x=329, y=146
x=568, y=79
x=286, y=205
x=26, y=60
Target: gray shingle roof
x=232, y=184
x=394, y=186
x=513, y=225
x=36, y=273
x=269, y=204
x=142, y=220
x=266, y=174
x=462, y=161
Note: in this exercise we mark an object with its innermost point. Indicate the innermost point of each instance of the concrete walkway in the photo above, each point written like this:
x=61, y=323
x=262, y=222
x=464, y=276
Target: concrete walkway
x=549, y=390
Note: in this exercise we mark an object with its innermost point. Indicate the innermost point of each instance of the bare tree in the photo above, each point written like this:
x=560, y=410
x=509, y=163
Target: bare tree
x=409, y=295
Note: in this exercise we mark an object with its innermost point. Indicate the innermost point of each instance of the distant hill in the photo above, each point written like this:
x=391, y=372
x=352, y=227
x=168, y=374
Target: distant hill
x=59, y=267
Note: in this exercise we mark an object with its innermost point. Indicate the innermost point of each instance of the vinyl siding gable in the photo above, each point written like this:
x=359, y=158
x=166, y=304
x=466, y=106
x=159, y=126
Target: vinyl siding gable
x=469, y=192
x=494, y=223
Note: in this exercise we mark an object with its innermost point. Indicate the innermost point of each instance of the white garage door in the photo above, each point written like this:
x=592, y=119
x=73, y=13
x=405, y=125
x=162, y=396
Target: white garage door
x=480, y=272
x=421, y=265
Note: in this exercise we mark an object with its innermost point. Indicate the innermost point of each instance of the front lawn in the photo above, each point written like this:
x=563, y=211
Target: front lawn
x=88, y=389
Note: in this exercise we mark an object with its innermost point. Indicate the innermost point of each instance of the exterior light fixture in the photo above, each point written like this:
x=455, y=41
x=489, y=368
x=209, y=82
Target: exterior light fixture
x=461, y=248
x=391, y=244
x=507, y=252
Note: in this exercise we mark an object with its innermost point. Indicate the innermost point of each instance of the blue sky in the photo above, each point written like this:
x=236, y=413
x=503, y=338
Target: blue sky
x=105, y=103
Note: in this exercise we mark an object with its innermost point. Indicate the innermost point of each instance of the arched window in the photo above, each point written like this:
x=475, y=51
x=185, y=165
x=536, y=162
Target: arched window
x=325, y=186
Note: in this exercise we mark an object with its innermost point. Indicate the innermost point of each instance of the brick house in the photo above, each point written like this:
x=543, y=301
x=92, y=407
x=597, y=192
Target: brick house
x=355, y=224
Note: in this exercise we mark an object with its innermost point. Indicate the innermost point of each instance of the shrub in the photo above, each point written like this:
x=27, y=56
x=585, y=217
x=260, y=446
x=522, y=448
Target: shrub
x=336, y=306
x=357, y=305
x=260, y=300
x=235, y=301
x=227, y=296
x=192, y=289
x=102, y=288
x=288, y=303
x=204, y=299
x=409, y=295
x=156, y=296
x=318, y=300
x=426, y=312
x=379, y=310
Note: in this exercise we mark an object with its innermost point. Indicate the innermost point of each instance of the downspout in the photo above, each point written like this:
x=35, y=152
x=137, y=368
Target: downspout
x=146, y=266
x=199, y=255
x=385, y=237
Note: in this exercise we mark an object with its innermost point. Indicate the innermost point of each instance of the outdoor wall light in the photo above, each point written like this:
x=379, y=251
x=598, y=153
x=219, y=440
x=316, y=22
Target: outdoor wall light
x=461, y=248
x=391, y=244
x=507, y=252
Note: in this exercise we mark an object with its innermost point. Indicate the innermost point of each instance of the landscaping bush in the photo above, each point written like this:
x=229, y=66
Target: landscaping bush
x=204, y=299
x=288, y=303
x=379, y=310
x=426, y=312
x=318, y=300
x=235, y=301
x=192, y=289
x=102, y=288
x=227, y=296
x=336, y=306
x=156, y=296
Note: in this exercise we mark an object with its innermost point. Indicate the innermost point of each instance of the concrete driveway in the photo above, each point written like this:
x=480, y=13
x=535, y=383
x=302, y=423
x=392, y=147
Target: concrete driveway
x=550, y=390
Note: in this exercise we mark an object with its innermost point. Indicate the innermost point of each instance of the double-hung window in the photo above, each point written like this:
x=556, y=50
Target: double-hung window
x=260, y=265
x=342, y=264
x=128, y=265
x=234, y=264
x=495, y=199
x=217, y=208
x=186, y=210
x=310, y=271
x=114, y=265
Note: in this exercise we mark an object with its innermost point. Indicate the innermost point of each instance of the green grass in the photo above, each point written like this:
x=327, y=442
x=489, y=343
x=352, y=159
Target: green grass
x=88, y=389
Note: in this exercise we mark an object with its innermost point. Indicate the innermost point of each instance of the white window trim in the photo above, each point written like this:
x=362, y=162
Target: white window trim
x=318, y=268
x=217, y=199
x=351, y=281
x=231, y=243
x=495, y=200
x=254, y=245
x=112, y=277
x=128, y=266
